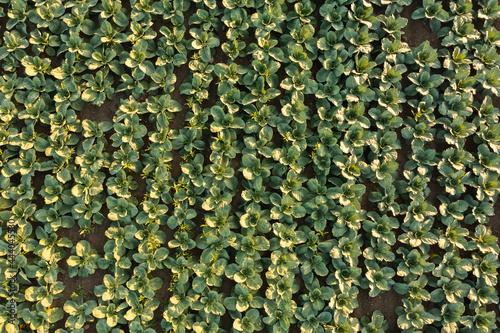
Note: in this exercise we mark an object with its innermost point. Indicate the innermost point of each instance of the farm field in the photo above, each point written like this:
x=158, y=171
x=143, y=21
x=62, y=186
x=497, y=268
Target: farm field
x=249, y=165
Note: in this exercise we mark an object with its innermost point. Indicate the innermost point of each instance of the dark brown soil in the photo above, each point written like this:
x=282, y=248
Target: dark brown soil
x=163, y=295
x=386, y=303
x=417, y=31
x=180, y=117
x=105, y=112
x=140, y=192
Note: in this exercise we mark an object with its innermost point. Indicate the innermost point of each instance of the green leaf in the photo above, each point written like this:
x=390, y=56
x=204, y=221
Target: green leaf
x=121, y=19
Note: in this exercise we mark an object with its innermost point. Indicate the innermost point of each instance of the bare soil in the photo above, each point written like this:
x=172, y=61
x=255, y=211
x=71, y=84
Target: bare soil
x=386, y=303
x=418, y=31
x=105, y=112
